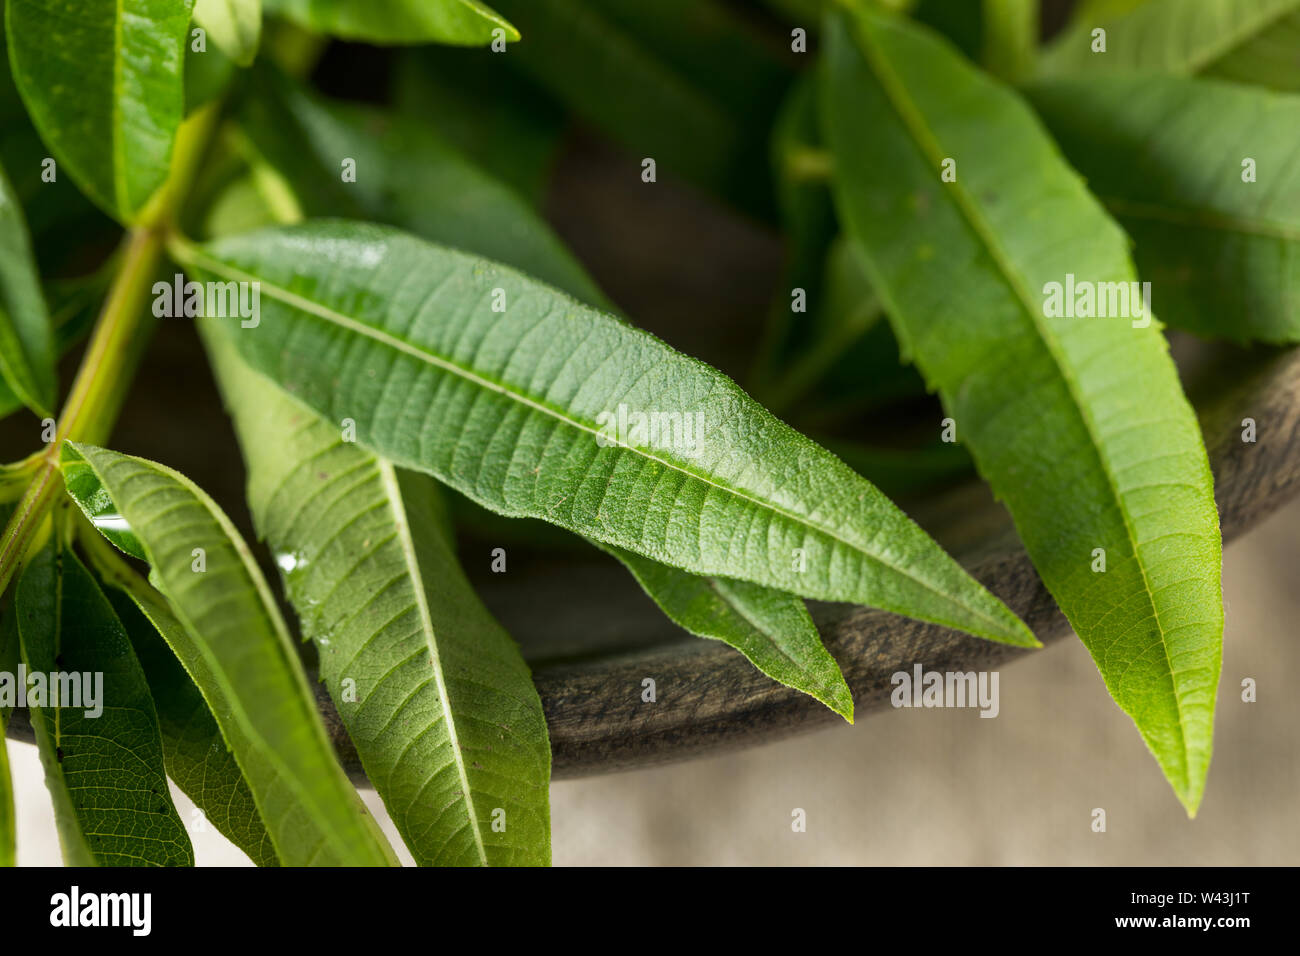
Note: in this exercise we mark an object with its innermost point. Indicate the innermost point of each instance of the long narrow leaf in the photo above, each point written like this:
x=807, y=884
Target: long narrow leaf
x=236, y=649
x=196, y=754
x=73, y=306
x=512, y=394
x=448, y=200
x=1109, y=484
x=433, y=692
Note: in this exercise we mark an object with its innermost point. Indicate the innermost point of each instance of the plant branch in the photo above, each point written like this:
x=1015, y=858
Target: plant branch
x=120, y=335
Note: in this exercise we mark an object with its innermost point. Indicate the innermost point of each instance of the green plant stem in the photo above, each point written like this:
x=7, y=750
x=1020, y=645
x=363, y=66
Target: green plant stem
x=96, y=395
x=1010, y=38
x=120, y=335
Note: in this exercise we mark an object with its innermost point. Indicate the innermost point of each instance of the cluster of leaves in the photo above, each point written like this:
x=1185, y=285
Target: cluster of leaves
x=421, y=326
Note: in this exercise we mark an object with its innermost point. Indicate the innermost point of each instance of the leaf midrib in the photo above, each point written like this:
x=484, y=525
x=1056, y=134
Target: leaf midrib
x=1200, y=218
x=81, y=852
x=398, y=508
x=347, y=322
x=1233, y=42
x=725, y=594
x=923, y=138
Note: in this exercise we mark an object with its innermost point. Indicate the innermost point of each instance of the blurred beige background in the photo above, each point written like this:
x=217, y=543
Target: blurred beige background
x=947, y=787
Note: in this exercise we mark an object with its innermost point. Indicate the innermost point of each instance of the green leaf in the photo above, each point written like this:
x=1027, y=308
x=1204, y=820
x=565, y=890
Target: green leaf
x=233, y=26
x=433, y=692
x=1245, y=40
x=771, y=628
x=456, y=22
x=236, y=649
x=102, y=750
x=684, y=82
x=475, y=214
x=438, y=212
x=102, y=82
x=1222, y=254
x=195, y=753
x=26, y=336
x=405, y=176
x=1079, y=424
x=402, y=338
